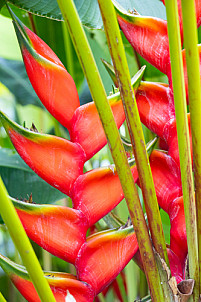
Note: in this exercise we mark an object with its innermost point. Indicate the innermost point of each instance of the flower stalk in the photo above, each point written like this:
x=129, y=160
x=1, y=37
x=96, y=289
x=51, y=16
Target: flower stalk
x=194, y=92
x=135, y=129
x=183, y=133
x=23, y=245
x=98, y=93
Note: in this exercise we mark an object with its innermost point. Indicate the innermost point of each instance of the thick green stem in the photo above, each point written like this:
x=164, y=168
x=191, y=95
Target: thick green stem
x=99, y=96
x=68, y=51
x=134, y=125
x=183, y=133
x=194, y=92
x=23, y=245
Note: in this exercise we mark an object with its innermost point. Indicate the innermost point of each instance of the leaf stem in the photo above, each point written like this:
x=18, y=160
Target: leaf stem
x=194, y=92
x=68, y=50
x=183, y=131
x=134, y=125
x=99, y=96
x=24, y=246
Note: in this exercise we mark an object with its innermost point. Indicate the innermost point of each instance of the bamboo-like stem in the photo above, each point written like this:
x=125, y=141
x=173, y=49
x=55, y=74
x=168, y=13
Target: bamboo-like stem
x=24, y=246
x=99, y=96
x=134, y=125
x=183, y=133
x=122, y=289
x=194, y=92
x=2, y=299
x=47, y=260
x=68, y=51
x=101, y=297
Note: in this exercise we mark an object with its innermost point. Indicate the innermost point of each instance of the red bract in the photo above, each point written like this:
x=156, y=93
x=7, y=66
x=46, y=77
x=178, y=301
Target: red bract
x=149, y=37
x=86, y=128
x=59, y=230
x=167, y=179
x=167, y=182
x=156, y=106
x=104, y=255
x=97, y=192
x=178, y=242
x=56, y=160
x=62, y=285
x=59, y=94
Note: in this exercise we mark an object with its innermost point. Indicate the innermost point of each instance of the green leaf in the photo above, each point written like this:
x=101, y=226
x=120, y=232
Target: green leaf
x=21, y=181
x=88, y=9
x=13, y=76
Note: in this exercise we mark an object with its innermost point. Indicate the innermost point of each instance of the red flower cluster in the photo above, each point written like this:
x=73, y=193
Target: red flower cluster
x=61, y=230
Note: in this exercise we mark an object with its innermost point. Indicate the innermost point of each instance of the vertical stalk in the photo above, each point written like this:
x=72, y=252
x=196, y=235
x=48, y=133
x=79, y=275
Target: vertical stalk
x=68, y=51
x=134, y=125
x=194, y=92
x=24, y=246
x=183, y=133
x=99, y=96
x=47, y=260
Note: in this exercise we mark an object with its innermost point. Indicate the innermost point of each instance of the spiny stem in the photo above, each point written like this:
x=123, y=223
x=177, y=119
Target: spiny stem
x=182, y=132
x=99, y=96
x=24, y=246
x=194, y=92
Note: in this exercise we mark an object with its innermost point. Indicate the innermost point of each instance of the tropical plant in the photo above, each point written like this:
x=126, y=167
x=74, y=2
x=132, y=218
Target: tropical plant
x=165, y=179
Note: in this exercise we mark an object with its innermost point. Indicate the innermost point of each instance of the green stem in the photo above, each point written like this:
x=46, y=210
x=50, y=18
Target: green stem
x=194, y=92
x=68, y=51
x=121, y=286
x=47, y=260
x=101, y=297
x=134, y=125
x=2, y=299
x=32, y=23
x=183, y=132
x=23, y=245
x=99, y=96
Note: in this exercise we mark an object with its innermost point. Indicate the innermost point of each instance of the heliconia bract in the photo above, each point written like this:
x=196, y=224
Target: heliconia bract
x=63, y=285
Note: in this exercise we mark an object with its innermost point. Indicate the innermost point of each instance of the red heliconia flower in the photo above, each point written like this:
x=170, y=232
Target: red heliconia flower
x=56, y=89
x=56, y=160
x=178, y=242
x=167, y=179
x=175, y=266
x=97, y=192
x=65, y=287
x=86, y=121
x=156, y=106
x=104, y=255
x=59, y=94
x=173, y=149
x=147, y=35
x=167, y=182
x=59, y=230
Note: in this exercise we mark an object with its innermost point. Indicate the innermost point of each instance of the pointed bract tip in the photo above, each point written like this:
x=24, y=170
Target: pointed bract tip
x=126, y=15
